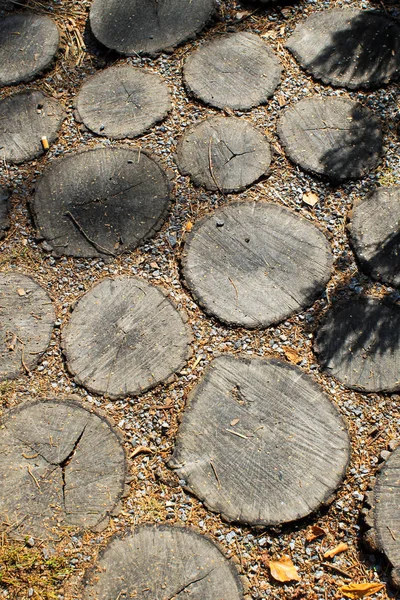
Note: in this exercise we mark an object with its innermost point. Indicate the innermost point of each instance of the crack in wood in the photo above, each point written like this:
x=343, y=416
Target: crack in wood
x=64, y=464
x=185, y=587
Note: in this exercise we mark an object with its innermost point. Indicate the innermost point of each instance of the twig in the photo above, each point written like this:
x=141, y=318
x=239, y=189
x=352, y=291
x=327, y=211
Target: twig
x=33, y=477
x=92, y=242
x=216, y=474
x=391, y=532
x=23, y=361
x=337, y=569
x=236, y=290
x=237, y=433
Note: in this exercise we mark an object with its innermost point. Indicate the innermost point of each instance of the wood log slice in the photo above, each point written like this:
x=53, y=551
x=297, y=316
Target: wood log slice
x=147, y=26
x=333, y=137
x=60, y=465
x=25, y=54
x=223, y=153
x=260, y=443
x=359, y=344
x=125, y=337
x=238, y=71
x=254, y=263
x=25, y=119
x=4, y=211
x=123, y=102
x=101, y=202
x=27, y=319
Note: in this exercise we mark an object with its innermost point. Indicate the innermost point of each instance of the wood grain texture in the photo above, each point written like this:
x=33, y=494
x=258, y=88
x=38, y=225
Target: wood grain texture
x=26, y=322
x=223, y=153
x=25, y=118
x=147, y=26
x=375, y=234
x=123, y=102
x=333, y=137
x=27, y=54
x=98, y=202
x=163, y=562
x=255, y=263
x=124, y=337
x=4, y=211
x=60, y=465
x=359, y=344
x=347, y=47
x=260, y=443
x=238, y=71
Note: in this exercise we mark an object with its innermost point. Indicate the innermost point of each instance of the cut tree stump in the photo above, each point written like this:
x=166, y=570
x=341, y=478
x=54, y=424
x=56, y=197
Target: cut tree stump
x=27, y=54
x=254, y=263
x=146, y=26
x=101, y=202
x=27, y=319
x=237, y=71
x=348, y=47
x=359, y=344
x=4, y=211
x=260, y=443
x=375, y=234
x=160, y=561
x=25, y=119
x=333, y=137
x=60, y=465
x=122, y=102
x=223, y=153
x=125, y=337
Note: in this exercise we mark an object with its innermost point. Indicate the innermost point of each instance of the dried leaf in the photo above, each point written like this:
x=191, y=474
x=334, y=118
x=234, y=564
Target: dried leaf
x=234, y=422
x=315, y=533
x=189, y=226
x=283, y=570
x=141, y=450
x=293, y=355
x=360, y=590
x=21, y=292
x=336, y=550
x=310, y=199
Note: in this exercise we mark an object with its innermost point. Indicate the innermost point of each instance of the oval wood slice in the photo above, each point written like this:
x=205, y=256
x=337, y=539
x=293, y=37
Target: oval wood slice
x=253, y=264
x=147, y=26
x=101, y=202
x=4, y=211
x=60, y=465
x=125, y=337
x=25, y=118
x=26, y=323
x=159, y=561
x=333, y=137
x=223, y=153
x=375, y=234
x=260, y=443
x=359, y=344
x=238, y=71
x=27, y=53
x=123, y=102
x=347, y=47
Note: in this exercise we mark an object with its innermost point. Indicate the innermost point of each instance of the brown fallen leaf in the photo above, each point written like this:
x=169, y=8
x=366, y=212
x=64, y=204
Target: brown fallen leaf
x=336, y=550
x=293, y=355
x=21, y=292
x=316, y=532
x=360, y=590
x=189, y=226
x=234, y=422
x=310, y=198
x=141, y=450
x=283, y=570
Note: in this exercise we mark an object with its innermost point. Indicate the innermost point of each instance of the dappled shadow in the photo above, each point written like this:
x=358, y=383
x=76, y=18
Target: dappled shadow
x=384, y=265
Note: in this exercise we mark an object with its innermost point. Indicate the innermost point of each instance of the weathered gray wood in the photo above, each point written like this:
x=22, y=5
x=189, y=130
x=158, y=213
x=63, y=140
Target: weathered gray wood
x=4, y=211
x=123, y=102
x=375, y=234
x=359, y=344
x=223, y=153
x=25, y=118
x=98, y=202
x=254, y=263
x=159, y=561
x=125, y=337
x=348, y=47
x=26, y=322
x=60, y=465
x=27, y=53
x=147, y=26
x=238, y=71
x=333, y=137
x=260, y=443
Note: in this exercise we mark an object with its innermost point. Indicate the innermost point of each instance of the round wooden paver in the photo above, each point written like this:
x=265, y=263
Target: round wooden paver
x=147, y=26
x=260, y=443
x=4, y=211
x=28, y=45
x=348, y=47
x=359, y=344
x=223, y=153
x=160, y=561
x=333, y=137
x=101, y=202
x=254, y=263
x=237, y=71
x=123, y=102
x=26, y=322
x=125, y=337
x=25, y=118
x=375, y=234
x=60, y=465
